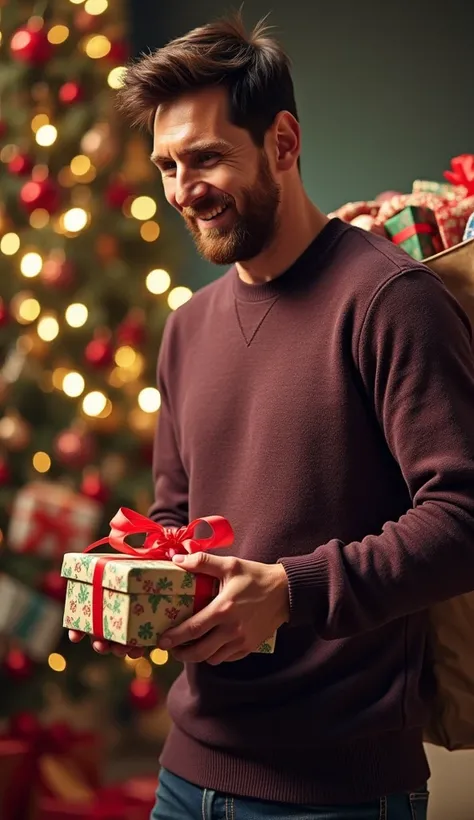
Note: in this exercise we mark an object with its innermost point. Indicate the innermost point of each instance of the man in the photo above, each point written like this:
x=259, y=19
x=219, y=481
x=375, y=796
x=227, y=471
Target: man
x=320, y=396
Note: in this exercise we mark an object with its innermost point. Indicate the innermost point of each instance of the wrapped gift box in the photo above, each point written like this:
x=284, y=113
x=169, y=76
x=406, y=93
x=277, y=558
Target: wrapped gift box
x=442, y=189
x=452, y=219
x=50, y=519
x=415, y=230
x=469, y=229
x=15, y=800
x=31, y=619
x=134, y=600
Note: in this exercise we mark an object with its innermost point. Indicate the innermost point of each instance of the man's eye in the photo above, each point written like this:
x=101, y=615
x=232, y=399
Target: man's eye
x=208, y=158
x=168, y=166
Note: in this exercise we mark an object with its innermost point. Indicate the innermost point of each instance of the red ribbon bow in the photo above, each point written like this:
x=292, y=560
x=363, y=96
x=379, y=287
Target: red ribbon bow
x=160, y=544
x=462, y=172
x=59, y=527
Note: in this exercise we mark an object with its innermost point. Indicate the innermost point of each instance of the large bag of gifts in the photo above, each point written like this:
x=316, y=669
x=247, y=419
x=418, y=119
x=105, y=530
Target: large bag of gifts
x=431, y=218
x=451, y=718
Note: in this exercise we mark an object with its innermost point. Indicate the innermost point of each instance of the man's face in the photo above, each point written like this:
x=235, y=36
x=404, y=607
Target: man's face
x=216, y=177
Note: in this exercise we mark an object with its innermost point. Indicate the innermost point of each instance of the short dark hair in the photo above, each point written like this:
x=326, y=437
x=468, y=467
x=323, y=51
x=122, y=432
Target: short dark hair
x=253, y=67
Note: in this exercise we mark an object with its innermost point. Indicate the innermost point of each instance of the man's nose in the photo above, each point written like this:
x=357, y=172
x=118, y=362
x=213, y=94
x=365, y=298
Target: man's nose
x=189, y=191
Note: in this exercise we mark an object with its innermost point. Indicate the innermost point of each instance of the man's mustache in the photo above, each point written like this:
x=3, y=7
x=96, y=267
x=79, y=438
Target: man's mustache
x=205, y=206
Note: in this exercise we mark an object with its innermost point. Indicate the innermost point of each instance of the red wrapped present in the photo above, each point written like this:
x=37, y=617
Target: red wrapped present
x=50, y=519
x=452, y=218
x=58, y=763
x=133, y=800
x=103, y=807
x=140, y=794
x=16, y=801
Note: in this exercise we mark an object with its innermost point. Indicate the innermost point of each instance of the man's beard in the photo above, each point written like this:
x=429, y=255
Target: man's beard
x=252, y=230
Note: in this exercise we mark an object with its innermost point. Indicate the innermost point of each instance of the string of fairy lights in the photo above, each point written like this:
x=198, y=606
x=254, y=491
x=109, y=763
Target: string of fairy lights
x=141, y=667
x=25, y=307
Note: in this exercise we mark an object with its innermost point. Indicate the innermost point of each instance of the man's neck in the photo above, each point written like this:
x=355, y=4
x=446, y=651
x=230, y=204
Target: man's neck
x=300, y=223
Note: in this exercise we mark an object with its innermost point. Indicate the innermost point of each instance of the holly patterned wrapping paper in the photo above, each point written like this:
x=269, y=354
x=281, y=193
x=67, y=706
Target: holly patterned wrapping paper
x=141, y=599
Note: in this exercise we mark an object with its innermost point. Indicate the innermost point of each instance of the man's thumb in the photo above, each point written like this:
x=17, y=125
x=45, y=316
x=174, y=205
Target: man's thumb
x=202, y=562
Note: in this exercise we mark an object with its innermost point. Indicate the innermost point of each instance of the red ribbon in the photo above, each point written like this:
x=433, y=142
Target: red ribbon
x=412, y=230
x=160, y=544
x=462, y=172
x=57, y=525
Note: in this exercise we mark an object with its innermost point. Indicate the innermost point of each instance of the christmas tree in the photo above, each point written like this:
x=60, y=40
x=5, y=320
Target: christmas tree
x=85, y=291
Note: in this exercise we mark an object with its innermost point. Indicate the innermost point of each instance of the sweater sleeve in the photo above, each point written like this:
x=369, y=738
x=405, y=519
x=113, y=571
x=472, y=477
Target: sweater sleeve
x=170, y=506
x=417, y=365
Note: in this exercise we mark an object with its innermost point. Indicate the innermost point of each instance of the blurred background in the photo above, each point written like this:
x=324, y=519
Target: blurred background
x=91, y=264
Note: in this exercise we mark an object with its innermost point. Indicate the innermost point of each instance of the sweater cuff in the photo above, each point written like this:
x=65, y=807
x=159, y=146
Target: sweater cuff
x=308, y=588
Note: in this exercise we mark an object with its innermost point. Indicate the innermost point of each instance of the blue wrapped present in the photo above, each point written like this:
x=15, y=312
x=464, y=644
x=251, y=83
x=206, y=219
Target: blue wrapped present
x=469, y=229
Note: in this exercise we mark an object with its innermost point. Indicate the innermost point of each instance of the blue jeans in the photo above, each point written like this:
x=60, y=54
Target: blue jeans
x=179, y=800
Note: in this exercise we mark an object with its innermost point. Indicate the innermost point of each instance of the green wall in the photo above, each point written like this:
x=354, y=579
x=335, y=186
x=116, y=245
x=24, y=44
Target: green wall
x=385, y=89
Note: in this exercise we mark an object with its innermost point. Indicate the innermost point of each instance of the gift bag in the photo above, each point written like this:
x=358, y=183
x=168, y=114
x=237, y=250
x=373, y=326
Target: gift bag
x=451, y=719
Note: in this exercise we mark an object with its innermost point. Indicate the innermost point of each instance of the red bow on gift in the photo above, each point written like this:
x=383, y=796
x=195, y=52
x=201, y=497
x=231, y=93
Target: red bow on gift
x=160, y=544
x=462, y=172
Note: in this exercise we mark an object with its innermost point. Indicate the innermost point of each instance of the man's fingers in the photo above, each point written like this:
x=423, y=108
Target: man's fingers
x=75, y=636
x=228, y=653
x=104, y=647
x=208, y=564
x=196, y=627
x=214, y=642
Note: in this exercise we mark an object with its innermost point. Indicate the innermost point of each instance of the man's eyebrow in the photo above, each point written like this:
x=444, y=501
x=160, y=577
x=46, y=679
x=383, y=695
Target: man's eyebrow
x=195, y=148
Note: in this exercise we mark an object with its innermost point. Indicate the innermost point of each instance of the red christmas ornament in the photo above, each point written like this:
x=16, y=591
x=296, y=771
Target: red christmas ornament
x=25, y=725
x=5, y=474
x=117, y=194
x=41, y=193
x=31, y=45
x=147, y=452
x=74, y=448
x=132, y=331
x=54, y=586
x=4, y=313
x=18, y=665
x=144, y=694
x=118, y=53
x=100, y=352
x=21, y=165
x=57, y=273
x=70, y=93
x=93, y=487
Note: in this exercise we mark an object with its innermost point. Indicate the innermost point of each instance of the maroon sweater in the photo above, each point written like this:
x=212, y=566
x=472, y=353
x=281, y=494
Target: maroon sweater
x=329, y=415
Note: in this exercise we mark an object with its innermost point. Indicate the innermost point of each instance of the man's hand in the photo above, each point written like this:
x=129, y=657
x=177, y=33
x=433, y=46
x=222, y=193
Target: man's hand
x=252, y=603
x=104, y=647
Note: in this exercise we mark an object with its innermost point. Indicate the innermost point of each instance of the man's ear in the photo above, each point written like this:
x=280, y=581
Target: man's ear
x=287, y=141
